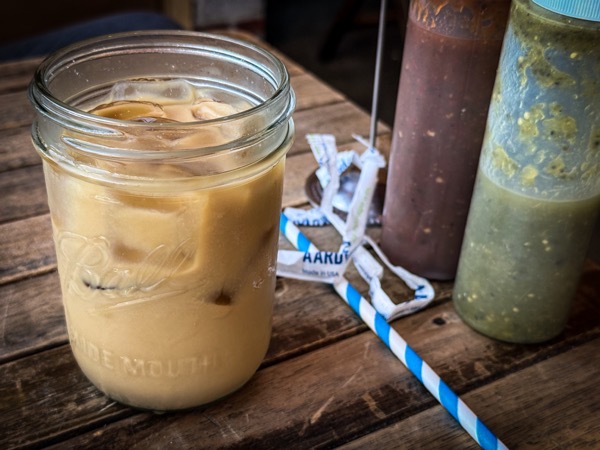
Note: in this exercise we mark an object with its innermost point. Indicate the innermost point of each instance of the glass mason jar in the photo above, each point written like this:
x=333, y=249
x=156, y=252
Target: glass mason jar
x=449, y=65
x=166, y=231
x=537, y=193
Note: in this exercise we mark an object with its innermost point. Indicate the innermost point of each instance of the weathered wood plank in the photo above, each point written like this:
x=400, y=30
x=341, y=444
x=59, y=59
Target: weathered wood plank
x=16, y=149
x=26, y=248
x=23, y=193
x=340, y=119
x=553, y=404
x=298, y=168
x=19, y=396
x=15, y=110
x=16, y=75
x=311, y=92
x=325, y=397
x=32, y=316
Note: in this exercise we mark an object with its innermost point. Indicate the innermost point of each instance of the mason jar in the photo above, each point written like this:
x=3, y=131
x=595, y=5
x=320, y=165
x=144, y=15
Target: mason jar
x=537, y=193
x=163, y=155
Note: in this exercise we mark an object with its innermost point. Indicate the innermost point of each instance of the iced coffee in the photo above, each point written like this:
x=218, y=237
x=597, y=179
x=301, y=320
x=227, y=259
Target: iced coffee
x=167, y=265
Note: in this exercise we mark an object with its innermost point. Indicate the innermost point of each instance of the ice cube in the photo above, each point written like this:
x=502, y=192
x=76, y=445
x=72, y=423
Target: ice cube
x=129, y=110
x=179, y=113
x=141, y=224
x=210, y=109
x=238, y=224
x=77, y=204
x=162, y=91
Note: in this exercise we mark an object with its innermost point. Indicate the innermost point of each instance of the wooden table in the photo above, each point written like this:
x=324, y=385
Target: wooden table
x=327, y=380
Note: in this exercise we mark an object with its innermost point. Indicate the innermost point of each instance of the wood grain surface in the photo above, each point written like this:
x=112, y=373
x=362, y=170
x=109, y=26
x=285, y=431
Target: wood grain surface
x=326, y=382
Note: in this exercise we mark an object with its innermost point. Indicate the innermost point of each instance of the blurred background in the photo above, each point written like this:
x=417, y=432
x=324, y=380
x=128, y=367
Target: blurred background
x=334, y=39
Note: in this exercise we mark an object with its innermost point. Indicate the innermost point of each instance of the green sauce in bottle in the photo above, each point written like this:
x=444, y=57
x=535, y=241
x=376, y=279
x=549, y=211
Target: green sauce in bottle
x=537, y=194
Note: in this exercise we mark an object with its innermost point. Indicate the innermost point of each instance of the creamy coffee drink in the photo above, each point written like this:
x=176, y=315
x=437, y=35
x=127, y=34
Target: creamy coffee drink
x=168, y=291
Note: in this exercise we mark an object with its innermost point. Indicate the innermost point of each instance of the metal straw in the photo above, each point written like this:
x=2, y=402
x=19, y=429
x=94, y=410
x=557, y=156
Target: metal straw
x=375, y=101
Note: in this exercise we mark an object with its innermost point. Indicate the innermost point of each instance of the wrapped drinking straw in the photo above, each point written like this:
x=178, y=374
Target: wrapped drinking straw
x=413, y=362
x=327, y=266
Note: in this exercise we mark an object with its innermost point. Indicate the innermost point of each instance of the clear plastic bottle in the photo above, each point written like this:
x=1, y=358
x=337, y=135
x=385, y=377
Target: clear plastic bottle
x=450, y=58
x=537, y=193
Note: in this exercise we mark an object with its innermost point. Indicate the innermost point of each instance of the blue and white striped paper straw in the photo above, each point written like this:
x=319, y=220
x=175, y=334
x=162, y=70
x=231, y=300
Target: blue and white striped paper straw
x=432, y=382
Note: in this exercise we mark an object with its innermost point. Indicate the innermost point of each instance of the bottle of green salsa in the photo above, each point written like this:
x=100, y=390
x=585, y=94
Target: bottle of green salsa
x=537, y=193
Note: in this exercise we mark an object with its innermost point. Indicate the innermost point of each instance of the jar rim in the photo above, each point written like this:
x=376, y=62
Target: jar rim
x=42, y=96
x=83, y=73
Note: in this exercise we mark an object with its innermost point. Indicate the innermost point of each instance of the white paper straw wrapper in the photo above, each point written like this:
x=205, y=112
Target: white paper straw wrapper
x=317, y=266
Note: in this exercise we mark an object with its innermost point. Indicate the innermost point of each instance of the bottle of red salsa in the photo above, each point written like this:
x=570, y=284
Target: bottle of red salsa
x=450, y=58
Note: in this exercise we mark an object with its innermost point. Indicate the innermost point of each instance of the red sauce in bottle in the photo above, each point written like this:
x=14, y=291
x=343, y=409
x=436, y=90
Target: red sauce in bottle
x=450, y=58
